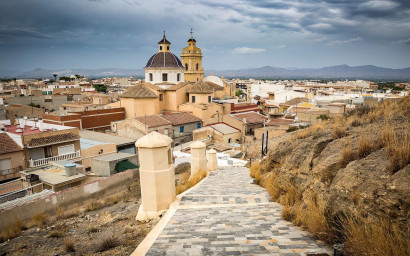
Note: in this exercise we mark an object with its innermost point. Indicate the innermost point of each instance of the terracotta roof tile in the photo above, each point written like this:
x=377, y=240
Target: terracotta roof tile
x=201, y=87
x=7, y=144
x=53, y=139
x=178, y=86
x=153, y=121
x=251, y=117
x=181, y=118
x=139, y=91
x=295, y=101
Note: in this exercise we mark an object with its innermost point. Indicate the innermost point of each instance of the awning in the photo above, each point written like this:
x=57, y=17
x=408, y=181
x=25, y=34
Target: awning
x=125, y=165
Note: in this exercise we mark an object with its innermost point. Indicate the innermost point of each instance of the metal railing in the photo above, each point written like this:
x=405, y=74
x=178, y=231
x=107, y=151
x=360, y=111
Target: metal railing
x=19, y=193
x=45, y=161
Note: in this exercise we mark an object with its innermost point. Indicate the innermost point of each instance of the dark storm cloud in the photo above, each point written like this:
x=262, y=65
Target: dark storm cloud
x=133, y=26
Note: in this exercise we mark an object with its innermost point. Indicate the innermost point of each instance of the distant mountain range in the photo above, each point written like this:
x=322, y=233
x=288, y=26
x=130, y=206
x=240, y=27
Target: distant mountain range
x=335, y=72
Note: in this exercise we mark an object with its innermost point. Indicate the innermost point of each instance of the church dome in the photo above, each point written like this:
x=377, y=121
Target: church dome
x=164, y=60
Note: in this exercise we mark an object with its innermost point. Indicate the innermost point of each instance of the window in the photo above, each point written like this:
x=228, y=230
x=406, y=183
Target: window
x=168, y=48
x=161, y=97
x=66, y=149
x=48, y=100
x=150, y=77
x=160, y=48
x=186, y=66
x=164, y=77
x=178, y=77
x=197, y=66
x=198, y=125
x=181, y=129
x=209, y=98
x=229, y=140
x=5, y=164
x=193, y=99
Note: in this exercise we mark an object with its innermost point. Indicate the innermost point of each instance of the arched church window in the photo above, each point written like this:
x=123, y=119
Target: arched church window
x=197, y=66
x=186, y=66
x=160, y=48
x=150, y=77
x=168, y=48
x=178, y=77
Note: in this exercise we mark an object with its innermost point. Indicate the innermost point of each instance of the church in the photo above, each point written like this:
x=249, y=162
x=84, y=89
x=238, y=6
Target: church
x=175, y=85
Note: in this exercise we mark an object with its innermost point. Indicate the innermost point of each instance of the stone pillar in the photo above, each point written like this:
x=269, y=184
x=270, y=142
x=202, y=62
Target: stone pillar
x=157, y=175
x=212, y=160
x=198, y=157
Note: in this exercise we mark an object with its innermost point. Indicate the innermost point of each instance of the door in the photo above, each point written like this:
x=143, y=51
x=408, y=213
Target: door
x=66, y=149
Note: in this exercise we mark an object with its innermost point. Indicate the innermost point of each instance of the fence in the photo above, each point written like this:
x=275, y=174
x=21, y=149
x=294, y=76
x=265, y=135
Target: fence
x=44, y=161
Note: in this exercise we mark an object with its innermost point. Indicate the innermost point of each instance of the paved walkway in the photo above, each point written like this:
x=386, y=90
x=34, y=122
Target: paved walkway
x=228, y=215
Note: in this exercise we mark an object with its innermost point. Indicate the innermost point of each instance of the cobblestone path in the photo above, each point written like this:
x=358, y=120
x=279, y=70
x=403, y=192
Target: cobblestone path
x=228, y=215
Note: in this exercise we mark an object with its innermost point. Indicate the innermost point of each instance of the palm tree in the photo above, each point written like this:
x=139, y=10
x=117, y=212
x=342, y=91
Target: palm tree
x=55, y=77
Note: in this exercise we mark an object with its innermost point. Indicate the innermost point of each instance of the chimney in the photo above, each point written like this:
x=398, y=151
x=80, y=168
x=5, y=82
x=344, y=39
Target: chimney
x=21, y=122
x=40, y=125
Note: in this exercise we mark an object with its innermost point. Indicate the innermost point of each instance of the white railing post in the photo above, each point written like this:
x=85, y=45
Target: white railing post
x=44, y=161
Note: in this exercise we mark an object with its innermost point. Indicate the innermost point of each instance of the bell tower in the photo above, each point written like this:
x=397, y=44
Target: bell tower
x=191, y=57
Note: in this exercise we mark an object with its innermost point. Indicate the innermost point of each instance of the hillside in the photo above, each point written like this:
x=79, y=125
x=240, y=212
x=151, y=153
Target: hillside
x=347, y=180
x=335, y=72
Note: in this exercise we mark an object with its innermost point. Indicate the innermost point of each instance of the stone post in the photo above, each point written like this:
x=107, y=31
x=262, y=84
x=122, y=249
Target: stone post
x=157, y=175
x=212, y=160
x=198, y=157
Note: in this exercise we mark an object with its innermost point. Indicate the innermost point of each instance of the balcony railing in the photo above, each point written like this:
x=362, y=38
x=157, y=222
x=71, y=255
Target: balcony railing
x=45, y=161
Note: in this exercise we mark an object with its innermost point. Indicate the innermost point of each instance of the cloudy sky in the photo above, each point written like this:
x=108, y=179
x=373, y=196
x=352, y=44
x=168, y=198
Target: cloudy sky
x=232, y=34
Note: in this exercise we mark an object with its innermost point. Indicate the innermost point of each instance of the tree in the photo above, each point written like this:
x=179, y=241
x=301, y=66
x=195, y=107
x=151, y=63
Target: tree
x=100, y=87
x=238, y=93
x=55, y=77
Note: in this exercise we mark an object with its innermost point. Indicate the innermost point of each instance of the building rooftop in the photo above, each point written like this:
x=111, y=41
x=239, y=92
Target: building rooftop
x=55, y=176
x=181, y=118
x=202, y=87
x=224, y=128
x=251, y=117
x=52, y=139
x=104, y=137
x=164, y=60
x=139, y=91
x=7, y=144
x=279, y=122
x=87, y=143
x=153, y=121
x=114, y=156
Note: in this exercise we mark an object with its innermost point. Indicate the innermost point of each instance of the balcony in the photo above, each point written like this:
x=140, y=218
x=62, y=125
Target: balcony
x=45, y=161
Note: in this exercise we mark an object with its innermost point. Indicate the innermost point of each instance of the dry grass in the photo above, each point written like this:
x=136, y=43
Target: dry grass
x=93, y=230
x=383, y=238
x=339, y=132
x=255, y=171
x=12, y=231
x=56, y=234
x=397, y=147
x=302, y=134
x=190, y=181
x=69, y=245
x=182, y=168
x=364, y=145
x=37, y=220
x=95, y=205
x=348, y=155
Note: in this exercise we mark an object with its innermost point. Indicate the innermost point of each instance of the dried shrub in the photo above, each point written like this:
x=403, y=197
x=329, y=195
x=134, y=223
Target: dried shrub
x=69, y=245
x=107, y=242
x=288, y=213
x=95, y=205
x=339, y=132
x=183, y=168
x=302, y=134
x=93, y=230
x=381, y=238
x=190, y=181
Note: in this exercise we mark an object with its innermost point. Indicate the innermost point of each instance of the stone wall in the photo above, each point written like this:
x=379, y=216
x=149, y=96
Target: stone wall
x=69, y=198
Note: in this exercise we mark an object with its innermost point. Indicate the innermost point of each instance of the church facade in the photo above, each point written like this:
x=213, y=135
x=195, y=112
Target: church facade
x=191, y=57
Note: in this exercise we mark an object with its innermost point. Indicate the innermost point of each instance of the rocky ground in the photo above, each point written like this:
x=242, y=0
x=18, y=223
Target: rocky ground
x=103, y=227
